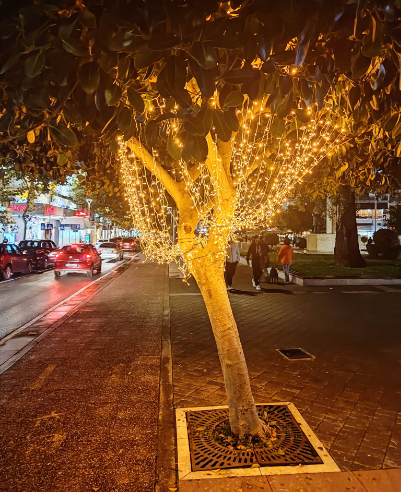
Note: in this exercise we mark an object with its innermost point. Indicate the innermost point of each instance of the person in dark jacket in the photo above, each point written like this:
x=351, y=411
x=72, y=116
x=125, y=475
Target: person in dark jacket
x=257, y=252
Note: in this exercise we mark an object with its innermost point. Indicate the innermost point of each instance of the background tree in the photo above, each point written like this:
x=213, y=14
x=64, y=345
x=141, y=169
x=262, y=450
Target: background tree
x=394, y=219
x=296, y=220
x=223, y=106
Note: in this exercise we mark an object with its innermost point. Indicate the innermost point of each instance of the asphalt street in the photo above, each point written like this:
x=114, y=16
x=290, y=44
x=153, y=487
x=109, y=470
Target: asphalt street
x=25, y=297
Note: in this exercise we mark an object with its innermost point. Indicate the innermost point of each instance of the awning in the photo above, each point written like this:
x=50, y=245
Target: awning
x=82, y=222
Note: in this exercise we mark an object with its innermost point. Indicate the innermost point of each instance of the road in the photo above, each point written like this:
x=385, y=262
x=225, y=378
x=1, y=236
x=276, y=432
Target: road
x=25, y=297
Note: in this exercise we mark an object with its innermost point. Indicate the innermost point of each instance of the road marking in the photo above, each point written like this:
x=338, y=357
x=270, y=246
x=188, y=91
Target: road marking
x=39, y=382
x=29, y=323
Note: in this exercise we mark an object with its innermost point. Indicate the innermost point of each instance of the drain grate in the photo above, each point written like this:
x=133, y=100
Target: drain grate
x=295, y=354
x=291, y=446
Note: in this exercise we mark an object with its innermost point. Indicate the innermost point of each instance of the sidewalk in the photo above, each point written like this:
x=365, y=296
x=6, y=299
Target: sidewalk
x=350, y=394
x=80, y=411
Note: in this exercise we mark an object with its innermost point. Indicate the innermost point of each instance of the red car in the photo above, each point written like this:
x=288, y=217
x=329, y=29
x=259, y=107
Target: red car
x=127, y=244
x=12, y=260
x=82, y=258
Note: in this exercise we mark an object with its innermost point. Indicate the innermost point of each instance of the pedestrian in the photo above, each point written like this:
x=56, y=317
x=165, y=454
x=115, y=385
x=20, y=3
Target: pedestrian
x=256, y=251
x=285, y=256
x=233, y=257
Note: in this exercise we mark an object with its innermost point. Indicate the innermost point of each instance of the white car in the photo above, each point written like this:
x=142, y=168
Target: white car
x=101, y=241
x=111, y=251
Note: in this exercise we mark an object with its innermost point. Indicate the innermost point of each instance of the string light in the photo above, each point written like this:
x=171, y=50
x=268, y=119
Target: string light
x=263, y=171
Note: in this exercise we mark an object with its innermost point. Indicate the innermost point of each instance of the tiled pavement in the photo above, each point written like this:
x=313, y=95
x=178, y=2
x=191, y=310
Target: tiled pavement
x=350, y=394
x=79, y=412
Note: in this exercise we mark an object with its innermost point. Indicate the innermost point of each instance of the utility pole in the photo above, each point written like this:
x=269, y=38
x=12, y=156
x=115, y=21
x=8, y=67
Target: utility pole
x=375, y=212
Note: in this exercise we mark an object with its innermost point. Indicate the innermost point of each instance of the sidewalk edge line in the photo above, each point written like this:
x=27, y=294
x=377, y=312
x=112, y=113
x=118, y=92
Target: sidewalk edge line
x=166, y=470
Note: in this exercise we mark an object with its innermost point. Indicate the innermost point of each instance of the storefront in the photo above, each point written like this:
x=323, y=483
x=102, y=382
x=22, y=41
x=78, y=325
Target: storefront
x=74, y=229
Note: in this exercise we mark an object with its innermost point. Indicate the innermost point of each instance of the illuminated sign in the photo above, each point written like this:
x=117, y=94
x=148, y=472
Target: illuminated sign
x=17, y=208
x=81, y=213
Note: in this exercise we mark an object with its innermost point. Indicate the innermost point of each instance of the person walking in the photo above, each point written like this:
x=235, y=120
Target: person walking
x=233, y=257
x=256, y=251
x=285, y=256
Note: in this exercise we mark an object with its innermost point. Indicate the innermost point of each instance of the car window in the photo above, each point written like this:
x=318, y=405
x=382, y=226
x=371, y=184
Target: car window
x=74, y=248
x=1, y=249
x=53, y=245
x=15, y=249
x=9, y=249
x=108, y=245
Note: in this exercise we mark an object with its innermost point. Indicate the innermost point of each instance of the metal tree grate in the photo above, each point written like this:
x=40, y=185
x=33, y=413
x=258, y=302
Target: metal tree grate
x=291, y=446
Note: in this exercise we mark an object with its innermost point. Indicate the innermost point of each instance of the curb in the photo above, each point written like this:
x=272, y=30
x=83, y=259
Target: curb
x=166, y=469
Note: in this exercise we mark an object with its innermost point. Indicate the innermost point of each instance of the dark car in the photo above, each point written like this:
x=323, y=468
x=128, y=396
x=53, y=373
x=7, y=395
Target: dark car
x=81, y=258
x=42, y=252
x=12, y=260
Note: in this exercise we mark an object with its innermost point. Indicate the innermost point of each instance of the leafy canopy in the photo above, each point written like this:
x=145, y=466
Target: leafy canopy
x=73, y=73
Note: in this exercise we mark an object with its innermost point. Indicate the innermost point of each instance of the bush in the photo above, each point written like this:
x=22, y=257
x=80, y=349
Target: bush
x=300, y=242
x=271, y=239
x=386, y=245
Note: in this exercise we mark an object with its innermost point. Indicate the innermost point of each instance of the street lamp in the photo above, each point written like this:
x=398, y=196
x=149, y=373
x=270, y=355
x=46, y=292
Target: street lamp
x=89, y=201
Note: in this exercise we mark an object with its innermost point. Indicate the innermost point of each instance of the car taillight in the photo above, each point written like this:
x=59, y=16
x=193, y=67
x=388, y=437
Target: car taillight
x=88, y=256
x=38, y=251
x=133, y=243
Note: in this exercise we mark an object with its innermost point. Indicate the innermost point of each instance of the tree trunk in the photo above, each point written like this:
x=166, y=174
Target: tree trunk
x=243, y=416
x=346, y=250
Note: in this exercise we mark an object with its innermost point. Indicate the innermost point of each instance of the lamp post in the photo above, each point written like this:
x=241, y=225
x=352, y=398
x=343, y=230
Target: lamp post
x=89, y=201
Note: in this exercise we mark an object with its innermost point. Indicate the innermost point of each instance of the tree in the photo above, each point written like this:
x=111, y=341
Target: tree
x=296, y=220
x=217, y=107
x=394, y=220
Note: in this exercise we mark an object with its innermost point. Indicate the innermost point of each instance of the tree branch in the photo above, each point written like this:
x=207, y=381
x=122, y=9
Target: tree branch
x=173, y=188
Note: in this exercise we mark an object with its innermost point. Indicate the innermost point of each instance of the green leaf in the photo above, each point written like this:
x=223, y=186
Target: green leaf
x=145, y=57
x=65, y=136
x=204, y=78
x=124, y=119
x=391, y=122
x=163, y=41
x=62, y=159
x=88, y=19
x=72, y=114
x=222, y=130
x=135, y=99
x=89, y=77
x=200, y=149
x=123, y=66
x=113, y=94
x=122, y=41
x=34, y=64
x=234, y=99
x=10, y=62
x=286, y=106
x=238, y=75
x=152, y=133
x=285, y=85
x=354, y=95
x=173, y=149
x=205, y=114
x=231, y=120
x=361, y=66
x=278, y=127
x=205, y=54
x=73, y=47
x=107, y=62
x=379, y=77
x=303, y=115
x=194, y=125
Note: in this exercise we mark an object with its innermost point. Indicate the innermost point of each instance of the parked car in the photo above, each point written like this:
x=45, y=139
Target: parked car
x=13, y=260
x=111, y=250
x=42, y=253
x=81, y=258
x=127, y=244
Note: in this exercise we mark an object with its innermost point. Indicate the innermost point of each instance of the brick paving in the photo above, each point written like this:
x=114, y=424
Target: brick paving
x=350, y=394
x=80, y=411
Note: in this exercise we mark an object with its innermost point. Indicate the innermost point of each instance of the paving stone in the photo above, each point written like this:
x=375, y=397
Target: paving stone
x=350, y=394
x=81, y=409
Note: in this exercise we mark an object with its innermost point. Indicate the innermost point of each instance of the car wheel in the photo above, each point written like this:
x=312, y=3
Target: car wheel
x=99, y=270
x=57, y=274
x=90, y=273
x=28, y=269
x=7, y=272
